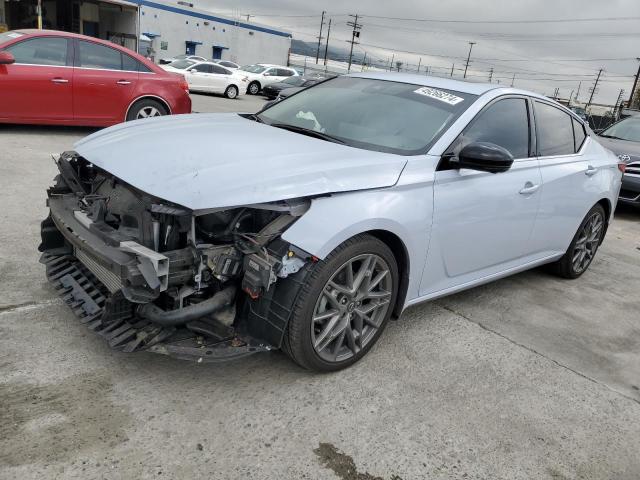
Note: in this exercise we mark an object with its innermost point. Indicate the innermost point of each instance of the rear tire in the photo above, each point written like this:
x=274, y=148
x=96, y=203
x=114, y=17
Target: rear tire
x=146, y=108
x=253, y=88
x=584, y=245
x=231, y=92
x=333, y=326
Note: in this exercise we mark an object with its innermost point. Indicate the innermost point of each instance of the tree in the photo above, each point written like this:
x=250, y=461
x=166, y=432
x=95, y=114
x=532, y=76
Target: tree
x=399, y=65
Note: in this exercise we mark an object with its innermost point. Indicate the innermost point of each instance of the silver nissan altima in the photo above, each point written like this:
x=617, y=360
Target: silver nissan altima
x=307, y=226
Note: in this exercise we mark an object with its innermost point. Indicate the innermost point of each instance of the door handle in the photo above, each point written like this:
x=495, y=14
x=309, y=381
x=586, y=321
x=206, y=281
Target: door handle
x=123, y=82
x=529, y=188
x=59, y=80
x=590, y=171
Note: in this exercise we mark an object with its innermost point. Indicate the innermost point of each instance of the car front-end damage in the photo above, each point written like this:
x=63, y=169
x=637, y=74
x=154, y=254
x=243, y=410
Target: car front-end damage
x=147, y=274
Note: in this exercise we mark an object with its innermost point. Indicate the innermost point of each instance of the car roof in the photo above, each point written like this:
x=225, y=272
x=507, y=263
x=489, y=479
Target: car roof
x=473, y=88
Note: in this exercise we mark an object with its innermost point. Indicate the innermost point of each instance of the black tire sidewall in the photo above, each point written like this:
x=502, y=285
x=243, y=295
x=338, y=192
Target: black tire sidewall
x=566, y=263
x=253, y=84
x=303, y=352
x=140, y=104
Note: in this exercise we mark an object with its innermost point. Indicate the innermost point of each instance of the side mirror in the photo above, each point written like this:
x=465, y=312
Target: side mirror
x=266, y=74
x=485, y=157
x=6, y=58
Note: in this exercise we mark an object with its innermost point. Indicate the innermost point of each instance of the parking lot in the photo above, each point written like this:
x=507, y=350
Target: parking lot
x=528, y=377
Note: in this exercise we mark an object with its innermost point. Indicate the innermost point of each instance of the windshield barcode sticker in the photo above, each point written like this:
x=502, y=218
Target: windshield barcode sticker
x=439, y=95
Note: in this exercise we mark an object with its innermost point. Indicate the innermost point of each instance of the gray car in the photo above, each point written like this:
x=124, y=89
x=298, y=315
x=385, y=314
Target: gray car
x=623, y=139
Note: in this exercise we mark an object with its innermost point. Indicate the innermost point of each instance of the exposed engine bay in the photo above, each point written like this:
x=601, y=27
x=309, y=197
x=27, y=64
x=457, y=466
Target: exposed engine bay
x=150, y=275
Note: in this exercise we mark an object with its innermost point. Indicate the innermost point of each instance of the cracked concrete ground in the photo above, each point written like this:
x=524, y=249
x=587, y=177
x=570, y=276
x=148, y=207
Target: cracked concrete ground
x=528, y=377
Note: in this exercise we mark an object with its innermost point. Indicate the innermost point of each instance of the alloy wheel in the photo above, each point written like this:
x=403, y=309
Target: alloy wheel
x=147, y=112
x=351, y=307
x=587, y=243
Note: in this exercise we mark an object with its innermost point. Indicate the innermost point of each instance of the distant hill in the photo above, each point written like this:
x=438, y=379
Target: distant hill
x=309, y=49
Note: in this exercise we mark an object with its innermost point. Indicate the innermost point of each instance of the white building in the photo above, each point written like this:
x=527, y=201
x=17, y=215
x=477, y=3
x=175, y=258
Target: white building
x=158, y=28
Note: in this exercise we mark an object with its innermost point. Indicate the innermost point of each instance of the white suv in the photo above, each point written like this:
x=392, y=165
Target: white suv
x=263, y=74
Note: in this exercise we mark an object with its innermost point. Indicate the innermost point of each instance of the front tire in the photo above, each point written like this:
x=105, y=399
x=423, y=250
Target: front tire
x=231, y=92
x=146, y=108
x=253, y=88
x=344, y=306
x=584, y=245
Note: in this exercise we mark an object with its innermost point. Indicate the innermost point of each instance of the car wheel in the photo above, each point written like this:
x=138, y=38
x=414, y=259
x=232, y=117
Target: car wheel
x=146, y=108
x=344, y=306
x=254, y=88
x=584, y=245
x=231, y=91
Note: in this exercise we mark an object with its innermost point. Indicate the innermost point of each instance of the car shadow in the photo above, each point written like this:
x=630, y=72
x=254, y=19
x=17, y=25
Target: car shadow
x=46, y=129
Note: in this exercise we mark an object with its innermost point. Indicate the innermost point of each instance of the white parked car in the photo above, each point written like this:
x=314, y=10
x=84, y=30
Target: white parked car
x=227, y=64
x=263, y=74
x=309, y=225
x=179, y=66
x=211, y=77
x=167, y=60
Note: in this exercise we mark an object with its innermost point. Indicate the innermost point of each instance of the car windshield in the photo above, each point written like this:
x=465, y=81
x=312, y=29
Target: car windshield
x=377, y=115
x=253, y=68
x=180, y=57
x=295, y=81
x=182, y=64
x=627, y=129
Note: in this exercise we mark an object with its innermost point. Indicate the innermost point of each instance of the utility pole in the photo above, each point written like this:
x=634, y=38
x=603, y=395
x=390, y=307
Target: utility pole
x=513, y=79
x=490, y=74
x=393, y=56
x=635, y=84
x=618, y=106
x=39, y=13
x=326, y=47
x=466, y=65
x=354, y=34
x=364, y=62
x=320, y=37
x=578, y=92
x=419, y=62
x=453, y=65
x=593, y=90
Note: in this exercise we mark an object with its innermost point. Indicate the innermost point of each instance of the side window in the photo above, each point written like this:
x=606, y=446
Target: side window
x=40, y=51
x=555, y=132
x=283, y=72
x=504, y=123
x=130, y=64
x=92, y=55
x=578, y=134
x=204, y=68
x=272, y=71
x=219, y=70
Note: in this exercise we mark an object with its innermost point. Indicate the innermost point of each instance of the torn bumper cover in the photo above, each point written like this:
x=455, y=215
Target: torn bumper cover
x=194, y=291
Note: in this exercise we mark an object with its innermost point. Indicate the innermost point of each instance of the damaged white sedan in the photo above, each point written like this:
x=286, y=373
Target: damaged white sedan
x=312, y=223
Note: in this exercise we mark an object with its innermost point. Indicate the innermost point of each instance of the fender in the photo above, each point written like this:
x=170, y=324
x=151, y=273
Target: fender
x=405, y=210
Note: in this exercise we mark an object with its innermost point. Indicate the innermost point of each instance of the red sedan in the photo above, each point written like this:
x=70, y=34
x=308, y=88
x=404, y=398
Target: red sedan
x=59, y=78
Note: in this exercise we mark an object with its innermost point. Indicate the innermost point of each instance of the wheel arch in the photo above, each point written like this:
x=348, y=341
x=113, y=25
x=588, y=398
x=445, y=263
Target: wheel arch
x=605, y=203
x=164, y=103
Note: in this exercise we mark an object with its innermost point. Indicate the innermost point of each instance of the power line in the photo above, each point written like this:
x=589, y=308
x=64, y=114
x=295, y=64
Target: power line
x=554, y=20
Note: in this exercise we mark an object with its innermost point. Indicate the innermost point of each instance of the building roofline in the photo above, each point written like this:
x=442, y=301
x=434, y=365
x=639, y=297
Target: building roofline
x=207, y=16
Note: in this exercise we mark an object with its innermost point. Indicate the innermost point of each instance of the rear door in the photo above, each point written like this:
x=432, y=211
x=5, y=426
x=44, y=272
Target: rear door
x=38, y=87
x=221, y=77
x=197, y=77
x=104, y=83
x=567, y=175
x=482, y=222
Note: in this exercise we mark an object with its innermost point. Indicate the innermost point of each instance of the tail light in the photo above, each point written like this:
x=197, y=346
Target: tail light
x=622, y=167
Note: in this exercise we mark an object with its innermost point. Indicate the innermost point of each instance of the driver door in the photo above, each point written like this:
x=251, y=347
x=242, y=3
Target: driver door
x=483, y=222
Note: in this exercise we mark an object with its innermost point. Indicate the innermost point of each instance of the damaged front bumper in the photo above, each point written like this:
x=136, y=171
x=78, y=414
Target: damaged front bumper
x=139, y=297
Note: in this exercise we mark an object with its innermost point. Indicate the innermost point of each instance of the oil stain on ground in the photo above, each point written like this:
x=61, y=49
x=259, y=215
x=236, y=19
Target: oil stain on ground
x=53, y=422
x=342, y=464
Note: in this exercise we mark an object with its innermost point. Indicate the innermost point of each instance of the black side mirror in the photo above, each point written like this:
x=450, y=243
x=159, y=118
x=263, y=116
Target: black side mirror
x=483, y=156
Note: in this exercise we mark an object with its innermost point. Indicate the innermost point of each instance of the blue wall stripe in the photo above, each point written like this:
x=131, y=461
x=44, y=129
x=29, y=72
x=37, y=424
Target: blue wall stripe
x=204, y=16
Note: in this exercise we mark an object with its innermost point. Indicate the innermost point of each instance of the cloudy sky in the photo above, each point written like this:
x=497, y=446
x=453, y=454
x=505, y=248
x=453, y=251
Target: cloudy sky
x=543, y=55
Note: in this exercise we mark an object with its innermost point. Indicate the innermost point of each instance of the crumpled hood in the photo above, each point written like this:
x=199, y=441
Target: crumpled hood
x=203, y=161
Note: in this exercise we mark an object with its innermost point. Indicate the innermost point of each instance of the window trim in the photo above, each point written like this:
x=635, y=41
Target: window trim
x=443, y=164
x=571, y=116
x=68, y=58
